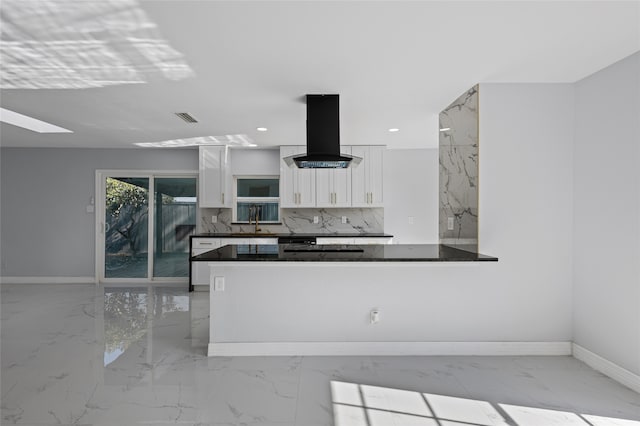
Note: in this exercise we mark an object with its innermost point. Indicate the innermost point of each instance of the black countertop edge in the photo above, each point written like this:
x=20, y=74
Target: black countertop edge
x=342, y=253
x=278, y=235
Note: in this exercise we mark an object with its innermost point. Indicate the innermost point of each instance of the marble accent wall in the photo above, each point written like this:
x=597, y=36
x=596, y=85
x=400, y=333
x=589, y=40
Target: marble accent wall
x=300, y=221
x=458, y=151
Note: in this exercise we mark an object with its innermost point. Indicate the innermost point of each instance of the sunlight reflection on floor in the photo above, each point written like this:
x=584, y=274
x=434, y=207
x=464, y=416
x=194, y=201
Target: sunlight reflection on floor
x=363, y=405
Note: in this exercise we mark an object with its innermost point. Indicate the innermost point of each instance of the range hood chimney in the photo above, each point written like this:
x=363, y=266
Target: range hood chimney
x=323, y=136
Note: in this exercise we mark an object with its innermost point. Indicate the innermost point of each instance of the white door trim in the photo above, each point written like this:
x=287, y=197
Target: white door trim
x=100, y=179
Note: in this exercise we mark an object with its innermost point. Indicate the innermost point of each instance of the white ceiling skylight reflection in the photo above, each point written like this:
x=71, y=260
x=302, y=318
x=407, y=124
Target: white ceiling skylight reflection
x=232, y=140
x=71, y=44
x=362, y=405
x=30, y=123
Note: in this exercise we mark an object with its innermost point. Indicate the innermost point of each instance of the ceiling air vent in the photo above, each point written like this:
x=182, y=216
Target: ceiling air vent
x=186, y=117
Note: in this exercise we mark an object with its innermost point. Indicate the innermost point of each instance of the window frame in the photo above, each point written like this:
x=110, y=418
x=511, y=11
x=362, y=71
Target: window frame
x=237, y=199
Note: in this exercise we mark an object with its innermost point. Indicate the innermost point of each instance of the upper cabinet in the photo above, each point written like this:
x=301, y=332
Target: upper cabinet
x=366, y=177
x=357, y=186
x=215, y=177
x=333, y=186
x=297, y=186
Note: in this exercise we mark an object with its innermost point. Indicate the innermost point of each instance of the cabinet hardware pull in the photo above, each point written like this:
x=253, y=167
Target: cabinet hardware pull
x=205, y=244
x=223, y=198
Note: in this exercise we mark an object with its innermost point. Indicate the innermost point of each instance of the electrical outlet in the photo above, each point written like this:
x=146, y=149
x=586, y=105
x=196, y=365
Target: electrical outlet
x=218, y=283
x=374, y=316
x=450, y=223
x=344, y=219
x=315, y=219
x=410, y=220
x=214, y=219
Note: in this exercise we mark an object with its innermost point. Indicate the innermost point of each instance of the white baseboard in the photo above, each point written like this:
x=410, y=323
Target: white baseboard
x=47, y=280
x=607, y=367
x=388, y=348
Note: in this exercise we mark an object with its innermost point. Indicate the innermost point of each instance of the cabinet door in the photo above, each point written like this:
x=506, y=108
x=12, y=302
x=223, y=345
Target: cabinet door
x=306, y=187
x=324, y=188
x=367, y=178
x=341, y=183
x=359, y=178
x=297, y=186
x=214, y=177
x=375, y=169
x=288, y=194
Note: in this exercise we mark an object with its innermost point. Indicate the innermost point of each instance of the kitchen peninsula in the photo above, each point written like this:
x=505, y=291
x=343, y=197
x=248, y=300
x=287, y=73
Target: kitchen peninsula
x=300, y=299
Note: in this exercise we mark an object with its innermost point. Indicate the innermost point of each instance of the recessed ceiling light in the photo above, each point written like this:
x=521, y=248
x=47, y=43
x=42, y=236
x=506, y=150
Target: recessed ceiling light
x=394, y=130
x=29, y=123
x=262, y=129
x=444, y=129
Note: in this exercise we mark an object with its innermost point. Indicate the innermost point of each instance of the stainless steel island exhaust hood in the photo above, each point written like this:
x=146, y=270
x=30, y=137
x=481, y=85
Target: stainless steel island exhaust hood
x=323, y=136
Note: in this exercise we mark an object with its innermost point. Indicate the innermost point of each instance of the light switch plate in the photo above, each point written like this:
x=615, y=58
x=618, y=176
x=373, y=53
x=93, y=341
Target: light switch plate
x=344, y=219
x=450, y=223
x=214, y=219
x=315, y=219
x=410, y=220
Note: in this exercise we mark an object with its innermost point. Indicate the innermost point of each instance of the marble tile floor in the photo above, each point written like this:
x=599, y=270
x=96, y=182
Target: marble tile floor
x=96, y=355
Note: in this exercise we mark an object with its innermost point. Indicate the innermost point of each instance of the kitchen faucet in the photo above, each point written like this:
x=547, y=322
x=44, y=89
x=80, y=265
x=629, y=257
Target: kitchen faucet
x=254, y=213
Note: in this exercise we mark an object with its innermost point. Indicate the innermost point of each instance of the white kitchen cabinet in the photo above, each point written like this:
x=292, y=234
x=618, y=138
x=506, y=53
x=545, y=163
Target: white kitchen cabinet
x=215, y=177
x=200, y=270
x=297, y=186
x=333, y=186
x=366, y=177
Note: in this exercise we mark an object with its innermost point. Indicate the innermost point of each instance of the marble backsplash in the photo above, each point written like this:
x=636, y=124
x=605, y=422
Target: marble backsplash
x=300, y=221
x=458, y=192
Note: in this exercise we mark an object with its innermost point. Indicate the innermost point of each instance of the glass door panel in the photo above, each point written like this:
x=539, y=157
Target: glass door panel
x=126, y=227
x=175, y=221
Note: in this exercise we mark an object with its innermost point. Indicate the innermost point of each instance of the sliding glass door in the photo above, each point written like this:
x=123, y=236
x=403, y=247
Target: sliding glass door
x=144, y=226
x=126, y=227
x=175, y=221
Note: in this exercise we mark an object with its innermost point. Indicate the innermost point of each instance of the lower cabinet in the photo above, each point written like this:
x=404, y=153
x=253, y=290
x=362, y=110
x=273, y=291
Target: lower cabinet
x=200, y=270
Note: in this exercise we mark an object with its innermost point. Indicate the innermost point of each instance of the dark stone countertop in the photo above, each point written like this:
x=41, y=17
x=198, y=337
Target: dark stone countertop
x=341, y=253
x=278, y=235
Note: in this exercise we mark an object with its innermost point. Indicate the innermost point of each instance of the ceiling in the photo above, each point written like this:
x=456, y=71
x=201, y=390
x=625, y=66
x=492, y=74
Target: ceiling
x=116, y=71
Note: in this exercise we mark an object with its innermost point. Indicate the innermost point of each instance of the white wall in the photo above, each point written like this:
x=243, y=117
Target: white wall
x=525, y=218
x=411, y=190
x=525, y=204
x=255, y=162
x=607, y=214
x=45, y=229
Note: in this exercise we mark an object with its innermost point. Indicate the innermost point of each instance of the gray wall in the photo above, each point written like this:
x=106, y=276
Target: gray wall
x=44, y=227
x=411, y=195
x=606, y=214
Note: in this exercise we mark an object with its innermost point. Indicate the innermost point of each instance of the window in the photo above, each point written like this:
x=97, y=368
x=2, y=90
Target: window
x=259, y=194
